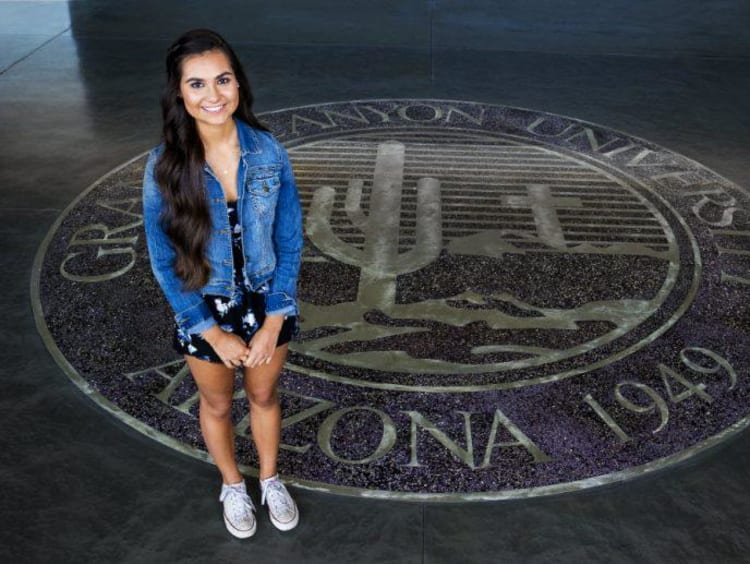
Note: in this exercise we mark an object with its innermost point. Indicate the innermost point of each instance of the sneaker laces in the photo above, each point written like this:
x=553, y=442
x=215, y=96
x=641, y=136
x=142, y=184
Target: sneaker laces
x=238, y=504
x=278, y=498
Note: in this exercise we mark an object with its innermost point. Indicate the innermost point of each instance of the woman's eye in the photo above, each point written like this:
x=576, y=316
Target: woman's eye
x=225, y=80
x=196, y=84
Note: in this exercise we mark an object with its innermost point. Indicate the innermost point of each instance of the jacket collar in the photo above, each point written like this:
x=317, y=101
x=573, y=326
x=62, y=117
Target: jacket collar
x=249, y=143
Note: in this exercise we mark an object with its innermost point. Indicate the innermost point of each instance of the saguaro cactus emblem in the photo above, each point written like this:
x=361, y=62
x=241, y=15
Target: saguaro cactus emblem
x=380, y=261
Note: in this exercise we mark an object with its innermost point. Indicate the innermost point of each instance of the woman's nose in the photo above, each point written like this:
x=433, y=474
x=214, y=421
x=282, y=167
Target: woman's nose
x=212, y=92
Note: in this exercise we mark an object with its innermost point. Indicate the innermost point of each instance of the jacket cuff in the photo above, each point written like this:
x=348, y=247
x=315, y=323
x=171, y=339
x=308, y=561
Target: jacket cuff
x=196, y=319
x=280, y=303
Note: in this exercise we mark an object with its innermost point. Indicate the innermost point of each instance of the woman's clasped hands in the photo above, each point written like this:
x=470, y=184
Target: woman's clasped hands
x=234, y=352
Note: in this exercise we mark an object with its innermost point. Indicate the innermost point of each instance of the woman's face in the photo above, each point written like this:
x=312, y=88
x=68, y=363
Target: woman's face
x=209, y=88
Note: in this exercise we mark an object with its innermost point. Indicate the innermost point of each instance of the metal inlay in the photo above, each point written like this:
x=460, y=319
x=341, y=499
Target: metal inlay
x=496, y=302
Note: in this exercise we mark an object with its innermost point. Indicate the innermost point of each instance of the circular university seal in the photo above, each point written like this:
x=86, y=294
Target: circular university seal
x=495, y=303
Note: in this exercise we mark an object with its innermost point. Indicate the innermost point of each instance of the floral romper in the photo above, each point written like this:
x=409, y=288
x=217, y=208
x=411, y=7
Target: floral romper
x=242, y=314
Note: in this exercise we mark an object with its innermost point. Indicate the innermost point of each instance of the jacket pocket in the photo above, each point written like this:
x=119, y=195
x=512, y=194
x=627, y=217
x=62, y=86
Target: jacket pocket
x=262, y=186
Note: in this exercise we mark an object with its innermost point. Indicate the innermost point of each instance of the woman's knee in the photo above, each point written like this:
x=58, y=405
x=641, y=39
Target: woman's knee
x=218, y=408
x=263, y=398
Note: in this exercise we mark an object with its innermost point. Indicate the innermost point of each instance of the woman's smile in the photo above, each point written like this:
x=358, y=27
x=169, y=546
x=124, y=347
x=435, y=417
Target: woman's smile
x=214, y=109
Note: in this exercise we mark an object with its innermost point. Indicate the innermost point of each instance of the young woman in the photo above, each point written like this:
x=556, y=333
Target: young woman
x=224, y=232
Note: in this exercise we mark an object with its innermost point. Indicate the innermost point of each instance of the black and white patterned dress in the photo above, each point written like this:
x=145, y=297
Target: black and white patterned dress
x=242, y=314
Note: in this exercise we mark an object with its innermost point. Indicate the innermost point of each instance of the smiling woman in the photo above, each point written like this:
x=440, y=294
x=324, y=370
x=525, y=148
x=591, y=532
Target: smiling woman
x=210, y=98
x=224, y=231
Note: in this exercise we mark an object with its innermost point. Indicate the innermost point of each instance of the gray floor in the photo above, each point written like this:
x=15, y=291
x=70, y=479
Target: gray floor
x=79, y=84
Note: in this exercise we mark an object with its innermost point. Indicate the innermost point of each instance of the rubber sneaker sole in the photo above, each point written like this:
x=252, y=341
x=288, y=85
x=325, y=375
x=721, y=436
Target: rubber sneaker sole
x=280, y=525
x=240, y=533
x=288, y=526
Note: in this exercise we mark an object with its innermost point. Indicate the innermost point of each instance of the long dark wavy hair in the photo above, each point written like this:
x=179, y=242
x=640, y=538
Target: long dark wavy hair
x=179, y=171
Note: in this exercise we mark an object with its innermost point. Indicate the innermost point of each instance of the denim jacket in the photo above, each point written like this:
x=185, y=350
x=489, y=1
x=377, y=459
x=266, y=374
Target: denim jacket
x=271, y=221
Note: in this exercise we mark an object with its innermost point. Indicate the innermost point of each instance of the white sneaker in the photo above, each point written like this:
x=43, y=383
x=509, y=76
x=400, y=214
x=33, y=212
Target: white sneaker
x=239, y=511
x=281, y=507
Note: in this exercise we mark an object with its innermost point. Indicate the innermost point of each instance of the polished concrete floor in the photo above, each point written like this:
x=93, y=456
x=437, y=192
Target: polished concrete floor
x=79, y=84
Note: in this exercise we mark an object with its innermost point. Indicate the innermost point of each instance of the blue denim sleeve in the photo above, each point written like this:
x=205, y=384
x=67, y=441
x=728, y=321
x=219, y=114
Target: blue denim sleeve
x=192, y=314
x=287, y=240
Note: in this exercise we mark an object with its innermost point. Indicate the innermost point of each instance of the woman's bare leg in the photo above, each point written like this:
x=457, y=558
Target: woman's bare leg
x=216, y=387
x=265, y=410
